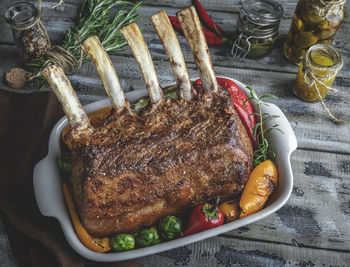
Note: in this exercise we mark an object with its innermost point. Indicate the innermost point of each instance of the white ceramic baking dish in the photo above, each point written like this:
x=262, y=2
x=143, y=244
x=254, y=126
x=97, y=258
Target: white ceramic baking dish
x=49, y=195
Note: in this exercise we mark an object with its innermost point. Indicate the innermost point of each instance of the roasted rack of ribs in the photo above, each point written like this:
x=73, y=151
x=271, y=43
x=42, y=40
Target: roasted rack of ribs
x=172, y=155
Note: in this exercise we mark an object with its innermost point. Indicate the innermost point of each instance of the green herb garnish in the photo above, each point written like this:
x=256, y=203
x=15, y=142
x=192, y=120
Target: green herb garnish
x=93, y=19
x=263, y=150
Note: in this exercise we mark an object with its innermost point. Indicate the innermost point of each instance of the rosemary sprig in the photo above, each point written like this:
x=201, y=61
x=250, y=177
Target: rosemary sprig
x=93, y=19
x=263, y=150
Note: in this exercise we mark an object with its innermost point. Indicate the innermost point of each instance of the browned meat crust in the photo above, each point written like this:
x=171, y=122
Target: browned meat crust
x=134, y=170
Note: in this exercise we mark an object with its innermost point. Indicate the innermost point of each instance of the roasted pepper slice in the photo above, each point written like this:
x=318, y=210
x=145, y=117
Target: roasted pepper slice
x=261, y=183
x=230, y=210
x=96, y=244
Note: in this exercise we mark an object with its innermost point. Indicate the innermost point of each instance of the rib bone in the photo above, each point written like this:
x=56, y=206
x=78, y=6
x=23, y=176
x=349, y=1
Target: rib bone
x=99, y=57
x=133, y=36
x=191, y=26
x=172, y=48
x=66, y=95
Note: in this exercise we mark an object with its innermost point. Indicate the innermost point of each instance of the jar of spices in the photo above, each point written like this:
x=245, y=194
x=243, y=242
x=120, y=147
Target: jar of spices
x=257, y=28
x=317, y=72
x=314, y=22
x=28, y=31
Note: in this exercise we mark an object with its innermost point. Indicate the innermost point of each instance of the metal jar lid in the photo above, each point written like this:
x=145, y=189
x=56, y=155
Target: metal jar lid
x=263, y=12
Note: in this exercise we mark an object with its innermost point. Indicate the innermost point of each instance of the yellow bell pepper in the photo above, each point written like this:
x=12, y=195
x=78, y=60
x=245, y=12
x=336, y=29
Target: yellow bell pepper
x=261, y=183
x=96, y=244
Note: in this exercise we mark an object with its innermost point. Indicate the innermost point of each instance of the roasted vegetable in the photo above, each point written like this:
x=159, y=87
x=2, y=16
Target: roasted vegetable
x=170, y=227
x=65, y=165
x=147, y=237
x=230, y=210
x=123, y=242
x=65, y=162
x=204, y=217
x=261, y=183
x=95, y=244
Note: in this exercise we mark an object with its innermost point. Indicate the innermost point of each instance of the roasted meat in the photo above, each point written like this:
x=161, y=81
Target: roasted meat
x=164, y=159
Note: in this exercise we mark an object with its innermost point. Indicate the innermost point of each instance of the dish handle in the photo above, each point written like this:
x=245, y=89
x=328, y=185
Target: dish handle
x=285, y=141
x=47, y=185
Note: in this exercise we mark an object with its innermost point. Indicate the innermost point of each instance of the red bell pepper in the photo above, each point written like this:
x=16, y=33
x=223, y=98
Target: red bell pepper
x=204, y=217
x=238, y=98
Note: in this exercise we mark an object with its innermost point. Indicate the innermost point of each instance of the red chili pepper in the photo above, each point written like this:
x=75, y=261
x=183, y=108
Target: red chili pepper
x=204, y=217
x=207, y=21
x=211, y=38
x=238, y=98
x=175, y=22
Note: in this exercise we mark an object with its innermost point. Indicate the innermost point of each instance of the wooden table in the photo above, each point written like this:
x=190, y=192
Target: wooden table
x=313, y=228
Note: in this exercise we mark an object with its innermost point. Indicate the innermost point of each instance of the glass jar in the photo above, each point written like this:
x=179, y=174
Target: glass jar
x=28, y=32
x=314, y=22
x=257, y=28
x=317, y=72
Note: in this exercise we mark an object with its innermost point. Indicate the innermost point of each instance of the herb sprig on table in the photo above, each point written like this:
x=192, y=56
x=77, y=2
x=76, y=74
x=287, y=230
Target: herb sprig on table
x=263, y=150
x=93, y=19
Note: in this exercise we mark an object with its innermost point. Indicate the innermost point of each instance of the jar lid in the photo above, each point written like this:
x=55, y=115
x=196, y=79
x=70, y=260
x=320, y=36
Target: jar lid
x=263, y=12
x=21, y=14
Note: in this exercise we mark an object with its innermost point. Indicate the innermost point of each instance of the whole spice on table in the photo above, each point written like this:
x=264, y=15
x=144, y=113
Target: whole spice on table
x=16, y=78
x=257, y=28
x=314, y=22
x=316, y=74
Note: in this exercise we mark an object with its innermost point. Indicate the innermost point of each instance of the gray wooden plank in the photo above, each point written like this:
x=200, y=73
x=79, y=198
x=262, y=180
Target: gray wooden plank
x=220, y=251
x=309, y=121
x=232, y=6
x=6, y=257
x=318, y=211
x=57, y=22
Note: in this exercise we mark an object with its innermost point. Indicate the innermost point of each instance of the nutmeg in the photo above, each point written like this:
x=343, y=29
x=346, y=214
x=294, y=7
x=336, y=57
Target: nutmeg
x=16, y=78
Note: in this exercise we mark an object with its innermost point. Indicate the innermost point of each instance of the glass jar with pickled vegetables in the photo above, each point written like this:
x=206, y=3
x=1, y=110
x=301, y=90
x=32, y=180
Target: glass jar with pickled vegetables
x=28, y=31
x=257, y=28
x=314, y=22
x=317, y=72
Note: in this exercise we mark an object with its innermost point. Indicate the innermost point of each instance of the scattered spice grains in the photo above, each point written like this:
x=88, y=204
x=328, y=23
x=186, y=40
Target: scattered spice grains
x=33, y=43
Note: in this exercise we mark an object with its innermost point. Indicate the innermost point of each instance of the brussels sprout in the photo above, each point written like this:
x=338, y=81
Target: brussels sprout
x=65, y=162
x=170, y=227
x=123, y=242
x=147, y=237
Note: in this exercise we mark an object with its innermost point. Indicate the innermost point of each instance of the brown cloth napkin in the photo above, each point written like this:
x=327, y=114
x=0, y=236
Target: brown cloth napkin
x=26, y=121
